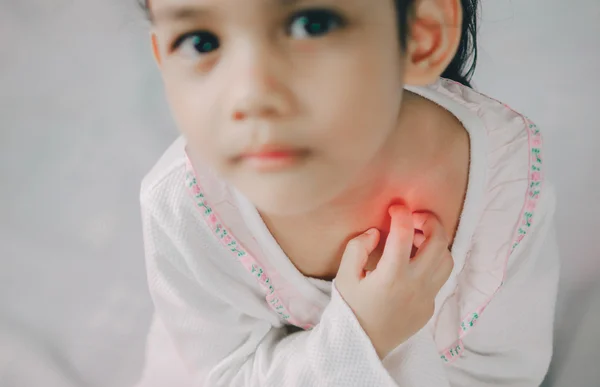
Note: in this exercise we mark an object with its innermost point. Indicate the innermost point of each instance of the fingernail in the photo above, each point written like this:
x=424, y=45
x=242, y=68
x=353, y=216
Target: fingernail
x=394, y=208
x=370, y=232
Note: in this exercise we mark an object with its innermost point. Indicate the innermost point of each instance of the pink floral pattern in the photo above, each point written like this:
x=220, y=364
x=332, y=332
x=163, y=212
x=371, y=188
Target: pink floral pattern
x=231, y=243
x=527, y=217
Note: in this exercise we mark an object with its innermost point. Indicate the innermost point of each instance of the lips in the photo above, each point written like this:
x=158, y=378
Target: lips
x=271, y=154
x=271, y=158
x=268, y=150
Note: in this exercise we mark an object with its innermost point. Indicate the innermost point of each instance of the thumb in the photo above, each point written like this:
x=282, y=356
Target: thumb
x=357, y=254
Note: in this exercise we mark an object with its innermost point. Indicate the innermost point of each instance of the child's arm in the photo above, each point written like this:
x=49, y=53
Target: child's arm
x=511, y=346
x=223, y=346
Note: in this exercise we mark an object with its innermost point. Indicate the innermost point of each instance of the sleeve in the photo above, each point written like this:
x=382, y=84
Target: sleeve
x=513, y=341
x=222, y=346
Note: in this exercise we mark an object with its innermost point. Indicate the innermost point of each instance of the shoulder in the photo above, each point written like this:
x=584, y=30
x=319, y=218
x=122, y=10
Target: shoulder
x=507, y=213
x=167, y=218
x=163, y=193
x=169, y=201
x=169, y=167
x=177, y=226
x=517, y=194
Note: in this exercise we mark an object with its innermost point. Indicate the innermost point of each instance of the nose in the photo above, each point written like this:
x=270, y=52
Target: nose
x=259, y=90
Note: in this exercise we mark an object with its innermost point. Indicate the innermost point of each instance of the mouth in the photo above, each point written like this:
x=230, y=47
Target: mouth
x=270, y=159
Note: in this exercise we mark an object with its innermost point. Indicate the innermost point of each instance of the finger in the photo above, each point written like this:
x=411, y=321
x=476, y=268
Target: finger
x=433, y=248
x=442, y=272
x=396, y=253
x=357, y=254
x=429, y=224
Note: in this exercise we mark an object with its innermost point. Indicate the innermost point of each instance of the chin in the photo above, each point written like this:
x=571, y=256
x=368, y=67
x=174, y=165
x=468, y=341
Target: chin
x=283, y=200
x=283, y=205
x=288, y=194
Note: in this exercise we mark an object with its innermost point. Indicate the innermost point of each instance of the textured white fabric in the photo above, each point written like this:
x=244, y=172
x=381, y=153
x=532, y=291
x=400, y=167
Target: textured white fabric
x=227, y=335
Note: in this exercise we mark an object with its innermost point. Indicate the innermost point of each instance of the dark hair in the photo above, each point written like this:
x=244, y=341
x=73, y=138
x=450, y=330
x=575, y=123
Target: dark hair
x=462, y=66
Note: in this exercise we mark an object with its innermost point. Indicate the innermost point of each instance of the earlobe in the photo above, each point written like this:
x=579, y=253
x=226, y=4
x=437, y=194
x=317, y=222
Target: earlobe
x=155, y=49
x=434, y=38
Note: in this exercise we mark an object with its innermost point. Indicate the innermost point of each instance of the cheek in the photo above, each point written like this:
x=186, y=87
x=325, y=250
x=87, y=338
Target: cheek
x=357, y=115
x=193, y=116
x=358, y=87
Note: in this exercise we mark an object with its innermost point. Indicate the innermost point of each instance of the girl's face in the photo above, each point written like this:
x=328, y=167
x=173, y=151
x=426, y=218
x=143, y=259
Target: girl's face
x=320, y=79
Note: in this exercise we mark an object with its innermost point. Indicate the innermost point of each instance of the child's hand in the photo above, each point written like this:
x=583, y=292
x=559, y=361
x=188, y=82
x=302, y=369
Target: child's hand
x=396, y=299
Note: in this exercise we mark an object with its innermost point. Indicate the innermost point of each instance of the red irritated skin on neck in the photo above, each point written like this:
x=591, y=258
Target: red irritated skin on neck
x=384, y=232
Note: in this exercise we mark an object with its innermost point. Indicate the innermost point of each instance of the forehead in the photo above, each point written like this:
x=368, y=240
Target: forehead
x=176, y=6
x=173, y=10
x=158, y=4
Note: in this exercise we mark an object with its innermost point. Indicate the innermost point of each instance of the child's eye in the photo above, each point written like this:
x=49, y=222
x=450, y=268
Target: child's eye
x=199, y=42
x=314, y=23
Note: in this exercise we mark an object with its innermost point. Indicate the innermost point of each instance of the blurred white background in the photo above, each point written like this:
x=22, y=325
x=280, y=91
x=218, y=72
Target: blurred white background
x=83, y=118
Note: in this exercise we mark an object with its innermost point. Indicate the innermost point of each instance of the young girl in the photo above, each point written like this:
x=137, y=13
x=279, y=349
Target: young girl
x=343, y=209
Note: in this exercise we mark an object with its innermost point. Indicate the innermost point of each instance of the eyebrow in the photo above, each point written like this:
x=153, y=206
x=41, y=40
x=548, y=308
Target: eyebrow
x=191, y=12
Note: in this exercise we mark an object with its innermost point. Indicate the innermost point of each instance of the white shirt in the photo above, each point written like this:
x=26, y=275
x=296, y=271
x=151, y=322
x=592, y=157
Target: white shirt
x=240, y=314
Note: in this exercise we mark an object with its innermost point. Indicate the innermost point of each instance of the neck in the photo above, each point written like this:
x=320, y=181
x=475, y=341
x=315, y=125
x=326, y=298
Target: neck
x=396, y=176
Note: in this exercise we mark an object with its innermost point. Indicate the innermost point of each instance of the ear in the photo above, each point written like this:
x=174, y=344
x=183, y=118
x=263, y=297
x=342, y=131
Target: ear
x=156, y=49
x=434, y=37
